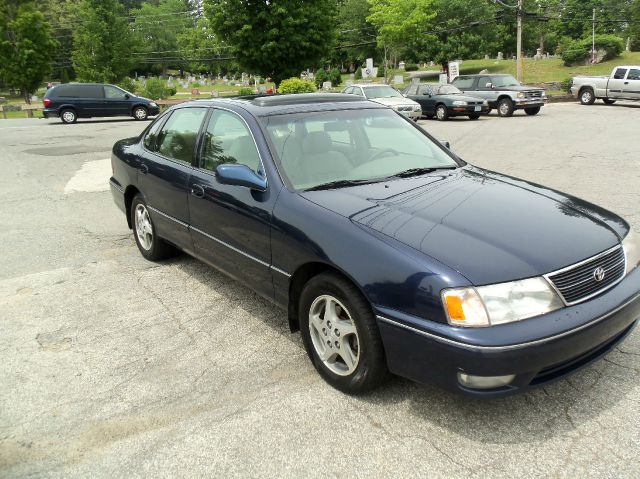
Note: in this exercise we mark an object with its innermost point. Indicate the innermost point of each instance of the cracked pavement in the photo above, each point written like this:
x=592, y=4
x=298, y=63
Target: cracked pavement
x=112, y=366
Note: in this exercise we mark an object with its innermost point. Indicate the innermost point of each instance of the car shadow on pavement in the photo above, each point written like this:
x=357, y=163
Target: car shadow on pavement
x=542, y=413
x=83, y=121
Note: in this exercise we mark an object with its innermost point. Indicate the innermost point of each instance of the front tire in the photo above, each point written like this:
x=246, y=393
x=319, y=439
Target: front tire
x=140, y=113
x=505, y=108
x=532, y=111
x=341, y=335
x=68, y=116
x=442, y=114
x=150, y=245
x=587, y=97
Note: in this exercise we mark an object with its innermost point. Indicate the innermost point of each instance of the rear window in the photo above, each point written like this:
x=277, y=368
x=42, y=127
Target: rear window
x=78, y=91
x=463, y=82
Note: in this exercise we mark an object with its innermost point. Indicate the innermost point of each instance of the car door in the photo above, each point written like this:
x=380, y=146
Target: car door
x=116, y=101
x=484, y=89
x=164, y=171
x=88, y=101
x=426, y=98
x=616, y=85
x=230, y=224
x=632, y=84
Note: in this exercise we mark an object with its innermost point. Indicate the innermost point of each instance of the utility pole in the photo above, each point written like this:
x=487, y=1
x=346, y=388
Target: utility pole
x=519, y=13
x=593, y=37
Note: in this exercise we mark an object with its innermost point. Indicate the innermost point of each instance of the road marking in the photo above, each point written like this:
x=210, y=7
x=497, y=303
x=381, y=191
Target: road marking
x=92, y=177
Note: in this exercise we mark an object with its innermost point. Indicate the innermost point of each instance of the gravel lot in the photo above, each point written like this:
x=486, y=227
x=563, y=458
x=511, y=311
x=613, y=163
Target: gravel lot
x=112, y=366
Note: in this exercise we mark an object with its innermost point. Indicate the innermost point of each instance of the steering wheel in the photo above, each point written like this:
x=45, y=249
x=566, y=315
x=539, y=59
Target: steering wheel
x=382, y=153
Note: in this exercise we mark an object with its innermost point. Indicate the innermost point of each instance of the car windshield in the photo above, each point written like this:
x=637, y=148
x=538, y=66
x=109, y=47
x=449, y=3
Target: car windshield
x=448, y=90
x=350, y=146
x=504, y=81
x=382, y=91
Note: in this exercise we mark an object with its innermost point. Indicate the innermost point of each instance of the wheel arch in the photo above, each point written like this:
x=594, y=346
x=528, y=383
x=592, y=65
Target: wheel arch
x=136, y=105
x=300, y=277
x=129, y=194
x=502, y=97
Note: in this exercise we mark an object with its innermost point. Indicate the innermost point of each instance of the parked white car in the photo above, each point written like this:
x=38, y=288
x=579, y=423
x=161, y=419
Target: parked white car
x=388, y=96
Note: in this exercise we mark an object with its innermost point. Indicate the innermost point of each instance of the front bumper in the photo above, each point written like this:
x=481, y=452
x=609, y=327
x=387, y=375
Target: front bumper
x=467, y=110
x=153, y=110
x=537, y=351
x=414, y=114
x=529, y=103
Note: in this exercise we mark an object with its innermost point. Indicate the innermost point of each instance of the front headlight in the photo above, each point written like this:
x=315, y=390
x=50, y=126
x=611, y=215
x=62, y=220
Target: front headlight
x=153, y=104
x=459, y=103
x=485, y=103
x=520, y=94
x=499, y=303
x=631, y=245
x=417, y=108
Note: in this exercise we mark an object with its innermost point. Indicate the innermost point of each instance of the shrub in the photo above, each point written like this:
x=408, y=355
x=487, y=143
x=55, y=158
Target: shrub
x=296, y=85
x=261, y=81
x=128, y=84
x=410, y=67
x=157, y=89
x=321, y=77
x=358, y=74
x=565, y=85
x=382, y=72
x=245, y=90
x=335, y=77
x=577, y=51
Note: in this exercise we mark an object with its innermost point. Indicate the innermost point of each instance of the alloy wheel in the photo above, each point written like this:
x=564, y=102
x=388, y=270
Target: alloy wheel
x=334, y=335
x=144, y=230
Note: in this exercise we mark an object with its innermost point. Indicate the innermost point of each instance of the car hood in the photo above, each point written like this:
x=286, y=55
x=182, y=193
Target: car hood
x=519, y=88
x=489, y=227
x=395, y=101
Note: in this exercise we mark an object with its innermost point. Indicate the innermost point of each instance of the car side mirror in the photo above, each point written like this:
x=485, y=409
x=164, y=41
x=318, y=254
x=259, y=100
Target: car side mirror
x=127, y=96
x=446, y=144
x=240, y=175
x=489, y=85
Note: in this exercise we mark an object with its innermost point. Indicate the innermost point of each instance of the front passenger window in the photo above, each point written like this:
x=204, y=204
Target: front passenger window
x=177, y=140
x=228, y=140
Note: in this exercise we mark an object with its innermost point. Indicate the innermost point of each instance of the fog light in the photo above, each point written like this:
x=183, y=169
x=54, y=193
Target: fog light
x=484, y=382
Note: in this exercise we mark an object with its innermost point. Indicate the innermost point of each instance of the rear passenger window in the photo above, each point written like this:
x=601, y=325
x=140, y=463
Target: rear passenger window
x=114, y=93
x=150, y=142
x=634, y=74
x=228, y=140
x=620, y=74
x=177, y=140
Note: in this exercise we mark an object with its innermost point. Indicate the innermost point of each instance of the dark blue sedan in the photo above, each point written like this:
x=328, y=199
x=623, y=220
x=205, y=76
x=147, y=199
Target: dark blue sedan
x=388, y=252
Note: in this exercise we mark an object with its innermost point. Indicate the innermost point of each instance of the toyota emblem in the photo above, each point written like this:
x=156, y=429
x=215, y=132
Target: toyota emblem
x=598, y=274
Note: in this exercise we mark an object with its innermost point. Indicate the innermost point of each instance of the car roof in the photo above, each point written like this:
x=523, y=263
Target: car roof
x=266, y=105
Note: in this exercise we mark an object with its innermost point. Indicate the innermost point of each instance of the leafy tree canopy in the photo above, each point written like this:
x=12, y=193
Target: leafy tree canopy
x=25, y=46
x=275, y=38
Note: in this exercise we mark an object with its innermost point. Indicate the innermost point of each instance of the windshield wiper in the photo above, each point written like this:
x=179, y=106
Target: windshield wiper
x=420, y=171
x=340, y=184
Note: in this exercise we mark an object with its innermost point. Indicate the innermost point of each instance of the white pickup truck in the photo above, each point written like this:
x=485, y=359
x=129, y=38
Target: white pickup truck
x=623, y=84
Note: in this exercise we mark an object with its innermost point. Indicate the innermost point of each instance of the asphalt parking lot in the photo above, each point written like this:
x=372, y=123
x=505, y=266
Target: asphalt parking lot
x=112, y=366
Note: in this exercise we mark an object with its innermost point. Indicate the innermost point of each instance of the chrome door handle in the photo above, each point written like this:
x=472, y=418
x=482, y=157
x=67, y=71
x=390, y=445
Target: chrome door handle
x=197, y=191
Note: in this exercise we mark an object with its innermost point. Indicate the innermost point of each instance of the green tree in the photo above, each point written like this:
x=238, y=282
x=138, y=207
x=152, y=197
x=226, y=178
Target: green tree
x=200, y=47
x=634, y=28
x=157, y=27
x=353, y=29
x=25, y=46
x=102, y=42
x=276, y=39
x=61, y=14
x=400, y=20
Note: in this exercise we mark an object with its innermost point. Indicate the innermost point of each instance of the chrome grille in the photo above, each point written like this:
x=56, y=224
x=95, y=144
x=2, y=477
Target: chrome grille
x=405, y=108
x=534, y=94
x=578, y=282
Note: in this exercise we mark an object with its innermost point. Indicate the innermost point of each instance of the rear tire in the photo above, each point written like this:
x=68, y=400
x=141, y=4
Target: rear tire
x=505, y=108
x=608, y=101
x=140, y=113
x=68, y=116
x=151, y=246
x=532, y=111
x=442, y=114
x=587, y=96
x=341, y=335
